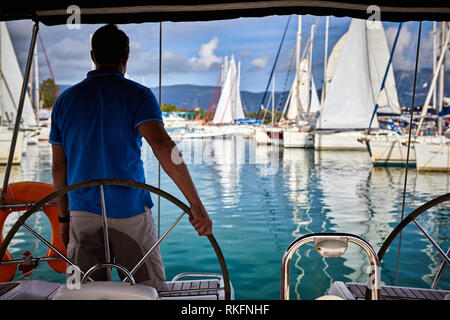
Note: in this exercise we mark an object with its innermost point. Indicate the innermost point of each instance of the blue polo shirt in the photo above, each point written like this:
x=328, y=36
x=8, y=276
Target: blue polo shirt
x=95, y=121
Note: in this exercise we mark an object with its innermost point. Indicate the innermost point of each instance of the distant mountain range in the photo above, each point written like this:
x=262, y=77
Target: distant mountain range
x=193, y=96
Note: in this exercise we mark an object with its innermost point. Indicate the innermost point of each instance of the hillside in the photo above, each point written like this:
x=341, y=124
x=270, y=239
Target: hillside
x=193, y=96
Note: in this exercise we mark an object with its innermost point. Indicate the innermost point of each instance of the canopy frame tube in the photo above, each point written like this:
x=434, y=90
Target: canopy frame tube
x=19, y=111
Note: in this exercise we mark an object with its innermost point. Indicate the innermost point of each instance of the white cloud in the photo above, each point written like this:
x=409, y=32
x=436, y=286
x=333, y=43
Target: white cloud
x=207, y=59
x=244, y=53
x=259, y=63
x=135, y=45
x=405, y=52
x=405, y=43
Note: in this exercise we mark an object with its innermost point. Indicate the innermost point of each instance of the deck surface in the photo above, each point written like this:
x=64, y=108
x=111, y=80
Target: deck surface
x=398, y=293
x=202, y=289
x=191, y=288
x=5, y=287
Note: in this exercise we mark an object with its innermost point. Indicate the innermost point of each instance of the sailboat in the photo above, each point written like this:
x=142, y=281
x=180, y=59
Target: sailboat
x=299, y=135
x=433, y=153
x=388, y=148
x=362, y=55
x=301, y=107
x=303, y=102
x=272, y=135
x=10, y=86
x=229, y=107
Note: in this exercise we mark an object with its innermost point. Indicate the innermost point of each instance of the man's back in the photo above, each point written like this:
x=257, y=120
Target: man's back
x=95, y=121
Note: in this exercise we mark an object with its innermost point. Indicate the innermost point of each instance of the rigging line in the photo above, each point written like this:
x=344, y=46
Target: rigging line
x=297, y=87
x=214, y=95
x=215, y=104
x=296, y=90
x=48, y=64
x=159, y=98
x=281, y=99
x=274, y=64
x=409, y=147
x=383, y=83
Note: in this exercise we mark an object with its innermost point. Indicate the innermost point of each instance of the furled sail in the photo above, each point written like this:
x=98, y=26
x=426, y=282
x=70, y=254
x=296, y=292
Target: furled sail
x=11, y=83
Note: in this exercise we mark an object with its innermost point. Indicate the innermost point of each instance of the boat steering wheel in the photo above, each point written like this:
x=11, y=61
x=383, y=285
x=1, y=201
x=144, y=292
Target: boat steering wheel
x=411, y=218
x=116, y=182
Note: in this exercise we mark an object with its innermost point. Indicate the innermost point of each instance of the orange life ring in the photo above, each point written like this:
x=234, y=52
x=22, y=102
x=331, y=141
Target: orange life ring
x=30, y=192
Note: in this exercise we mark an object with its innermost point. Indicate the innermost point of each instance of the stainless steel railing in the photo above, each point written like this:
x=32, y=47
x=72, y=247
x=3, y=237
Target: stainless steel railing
x=331, y=246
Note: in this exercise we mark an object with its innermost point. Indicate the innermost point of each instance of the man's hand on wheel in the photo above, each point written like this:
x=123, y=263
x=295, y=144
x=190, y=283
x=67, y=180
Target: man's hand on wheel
x=200, y=220
x=65, y=232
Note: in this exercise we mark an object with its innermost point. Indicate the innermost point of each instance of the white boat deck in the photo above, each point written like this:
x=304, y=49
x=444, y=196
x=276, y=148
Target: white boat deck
x=200, y=289
x=356, y=291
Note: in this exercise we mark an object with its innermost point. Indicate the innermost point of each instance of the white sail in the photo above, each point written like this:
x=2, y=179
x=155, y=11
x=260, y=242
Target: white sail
x=315, y=103
x=379, y=54
x=239, y=111
x=298, y=97
x=350, y=101
x=11, y=83
x=229, y=106
x=334, y=59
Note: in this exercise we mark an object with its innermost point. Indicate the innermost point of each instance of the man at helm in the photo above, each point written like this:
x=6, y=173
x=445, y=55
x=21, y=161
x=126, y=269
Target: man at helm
x=96, y=132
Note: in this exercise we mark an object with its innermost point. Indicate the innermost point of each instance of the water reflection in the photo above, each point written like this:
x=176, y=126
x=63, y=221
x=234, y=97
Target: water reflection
x=353, y=197
x=263, y=197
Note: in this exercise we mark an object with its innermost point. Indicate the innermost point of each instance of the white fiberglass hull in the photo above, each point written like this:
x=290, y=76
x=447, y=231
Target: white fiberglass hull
x=297, y=139
x=272, y=136
x=5, y=144
x=433, y=156
x=343, y=141
x=391, y=151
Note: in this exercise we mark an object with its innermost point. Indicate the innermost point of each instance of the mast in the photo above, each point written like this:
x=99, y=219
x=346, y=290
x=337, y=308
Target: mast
x=30, y=89
x=433, y=81
x=36, y=84
x=299, y=39
x=441, y=76
x=273, y=100
x=325, y=56
x=434, y=63
x=308, y=97
x=233, y=95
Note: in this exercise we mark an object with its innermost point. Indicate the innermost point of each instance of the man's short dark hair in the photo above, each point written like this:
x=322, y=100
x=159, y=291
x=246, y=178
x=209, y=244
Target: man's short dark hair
x=110, y=45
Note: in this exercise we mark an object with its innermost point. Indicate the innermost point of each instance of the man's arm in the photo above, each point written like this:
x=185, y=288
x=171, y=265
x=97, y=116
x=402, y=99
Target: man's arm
x=59, y=173
x=169, y=156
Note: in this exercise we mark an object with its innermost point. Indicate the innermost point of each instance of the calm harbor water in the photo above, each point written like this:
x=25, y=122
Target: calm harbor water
x=261, y=198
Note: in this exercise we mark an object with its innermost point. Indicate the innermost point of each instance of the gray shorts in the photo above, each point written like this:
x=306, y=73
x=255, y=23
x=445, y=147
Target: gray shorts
x=130, y=239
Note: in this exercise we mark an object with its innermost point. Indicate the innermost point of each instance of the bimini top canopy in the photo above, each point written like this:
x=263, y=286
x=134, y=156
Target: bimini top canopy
x=136, y=11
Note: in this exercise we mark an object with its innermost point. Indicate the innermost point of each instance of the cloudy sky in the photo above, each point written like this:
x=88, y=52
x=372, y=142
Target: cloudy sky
x=193, y=51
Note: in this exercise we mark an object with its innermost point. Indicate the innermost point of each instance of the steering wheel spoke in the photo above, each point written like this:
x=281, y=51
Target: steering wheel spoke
x=412, y=218
x=116, y=182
